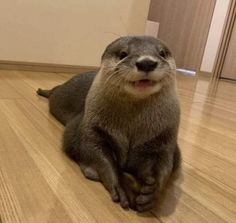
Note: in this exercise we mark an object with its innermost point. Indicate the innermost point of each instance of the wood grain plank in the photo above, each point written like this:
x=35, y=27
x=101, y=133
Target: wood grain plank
x=10, y=210
x=6, y=91
x=26, y=195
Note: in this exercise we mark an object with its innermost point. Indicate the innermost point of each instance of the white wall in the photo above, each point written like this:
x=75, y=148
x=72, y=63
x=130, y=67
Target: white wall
x=214, y=36
x=73, y=32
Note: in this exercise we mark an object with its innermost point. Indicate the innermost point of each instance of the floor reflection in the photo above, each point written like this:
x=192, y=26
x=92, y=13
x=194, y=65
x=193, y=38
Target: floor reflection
x=168, y=202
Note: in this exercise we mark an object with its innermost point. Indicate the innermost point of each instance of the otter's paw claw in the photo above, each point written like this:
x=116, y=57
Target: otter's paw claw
x=118, y=195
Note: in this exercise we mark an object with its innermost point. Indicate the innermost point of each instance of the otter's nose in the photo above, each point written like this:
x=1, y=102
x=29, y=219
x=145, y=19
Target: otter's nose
x=146, y=65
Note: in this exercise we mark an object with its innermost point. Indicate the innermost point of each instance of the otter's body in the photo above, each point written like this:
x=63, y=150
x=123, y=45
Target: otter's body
x=111, y=131
x=67, y=100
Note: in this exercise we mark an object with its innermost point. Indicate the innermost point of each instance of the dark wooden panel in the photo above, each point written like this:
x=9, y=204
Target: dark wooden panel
x=229, y=67
x=184, y=26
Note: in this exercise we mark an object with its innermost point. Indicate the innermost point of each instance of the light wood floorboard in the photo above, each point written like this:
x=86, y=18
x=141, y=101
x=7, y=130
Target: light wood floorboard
x=38, y=183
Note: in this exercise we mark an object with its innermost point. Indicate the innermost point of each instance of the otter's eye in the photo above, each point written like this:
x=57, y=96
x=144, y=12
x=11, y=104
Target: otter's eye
x=163, y=54
x=123, y=55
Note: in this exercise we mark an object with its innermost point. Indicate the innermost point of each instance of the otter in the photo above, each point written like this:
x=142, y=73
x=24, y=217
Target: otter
x=121, y=122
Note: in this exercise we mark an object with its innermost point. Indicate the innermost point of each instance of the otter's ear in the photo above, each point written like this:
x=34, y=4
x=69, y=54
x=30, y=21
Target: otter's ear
x=103, y=55
x=111, y=48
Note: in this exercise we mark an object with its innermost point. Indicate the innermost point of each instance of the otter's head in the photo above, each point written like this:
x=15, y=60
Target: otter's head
x=138, y=65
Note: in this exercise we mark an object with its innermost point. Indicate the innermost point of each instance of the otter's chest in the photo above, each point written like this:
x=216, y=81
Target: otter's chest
x=128, y=134
x=130, y=127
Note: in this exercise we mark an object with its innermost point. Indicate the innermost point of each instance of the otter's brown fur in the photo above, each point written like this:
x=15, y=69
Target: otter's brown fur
x=114, y=128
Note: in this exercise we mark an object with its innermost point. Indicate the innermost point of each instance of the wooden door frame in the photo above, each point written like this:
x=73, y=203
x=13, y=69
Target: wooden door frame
x=224, y=43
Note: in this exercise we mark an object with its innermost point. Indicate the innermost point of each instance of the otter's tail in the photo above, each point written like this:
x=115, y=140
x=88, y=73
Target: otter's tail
x=44, y=93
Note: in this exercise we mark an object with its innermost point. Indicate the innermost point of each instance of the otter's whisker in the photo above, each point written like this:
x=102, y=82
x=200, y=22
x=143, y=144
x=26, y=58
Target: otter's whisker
x=112, y=74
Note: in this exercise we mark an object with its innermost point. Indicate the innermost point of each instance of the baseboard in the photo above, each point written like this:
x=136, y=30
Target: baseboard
x=228, y=79
x=44, y=67
x=204, y=74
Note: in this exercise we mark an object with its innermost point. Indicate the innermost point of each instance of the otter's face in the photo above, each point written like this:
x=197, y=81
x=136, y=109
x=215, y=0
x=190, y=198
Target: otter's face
x=139, y=65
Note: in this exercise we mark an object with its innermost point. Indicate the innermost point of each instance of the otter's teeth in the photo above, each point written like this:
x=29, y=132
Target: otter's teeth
x=143, y=83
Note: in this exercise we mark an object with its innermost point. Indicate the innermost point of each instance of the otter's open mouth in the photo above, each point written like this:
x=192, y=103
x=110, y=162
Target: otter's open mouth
x=143, y=84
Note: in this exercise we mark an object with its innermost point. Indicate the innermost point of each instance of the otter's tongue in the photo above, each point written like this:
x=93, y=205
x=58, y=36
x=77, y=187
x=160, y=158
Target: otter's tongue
x=143, y=84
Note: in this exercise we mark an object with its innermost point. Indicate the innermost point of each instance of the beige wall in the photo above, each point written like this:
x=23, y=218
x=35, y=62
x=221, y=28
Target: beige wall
x=72, y=32
x=214, y=36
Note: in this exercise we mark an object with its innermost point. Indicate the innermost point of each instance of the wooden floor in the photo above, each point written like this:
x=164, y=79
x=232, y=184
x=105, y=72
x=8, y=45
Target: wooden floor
x=39, y=184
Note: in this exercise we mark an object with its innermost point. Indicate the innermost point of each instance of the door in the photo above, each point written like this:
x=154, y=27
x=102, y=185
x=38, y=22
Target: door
x=183, y=26
x=229, y=66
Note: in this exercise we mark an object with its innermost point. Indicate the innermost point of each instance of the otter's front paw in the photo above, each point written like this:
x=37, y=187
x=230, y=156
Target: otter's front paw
x=145, y=201
x=119, y=195
x=131, y=187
